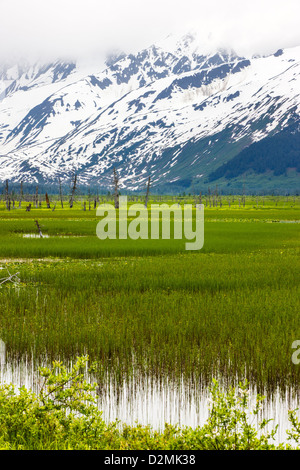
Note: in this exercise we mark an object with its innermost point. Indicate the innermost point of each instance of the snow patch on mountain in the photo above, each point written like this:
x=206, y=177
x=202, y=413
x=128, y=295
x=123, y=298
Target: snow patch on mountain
x=174, y=110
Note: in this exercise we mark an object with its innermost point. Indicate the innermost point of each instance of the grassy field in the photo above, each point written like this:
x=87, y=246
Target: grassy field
x=149, y=306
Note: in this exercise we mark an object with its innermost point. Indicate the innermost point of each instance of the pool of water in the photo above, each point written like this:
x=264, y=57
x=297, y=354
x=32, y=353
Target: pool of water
x=152, y=402
x=45, y=235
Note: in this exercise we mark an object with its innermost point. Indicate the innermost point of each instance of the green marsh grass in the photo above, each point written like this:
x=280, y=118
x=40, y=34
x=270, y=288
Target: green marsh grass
x=150, y=307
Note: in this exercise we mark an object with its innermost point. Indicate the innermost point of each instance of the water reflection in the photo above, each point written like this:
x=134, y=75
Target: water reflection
x=153, y=402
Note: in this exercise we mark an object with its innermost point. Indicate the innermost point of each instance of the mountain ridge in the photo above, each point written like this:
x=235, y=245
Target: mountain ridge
x=172, y=115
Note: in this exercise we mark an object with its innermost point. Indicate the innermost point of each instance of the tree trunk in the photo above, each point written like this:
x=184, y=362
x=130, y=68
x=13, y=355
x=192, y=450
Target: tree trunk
x=116, y=189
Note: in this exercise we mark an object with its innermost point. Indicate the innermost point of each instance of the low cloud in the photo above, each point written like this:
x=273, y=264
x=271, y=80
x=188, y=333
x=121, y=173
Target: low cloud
x=89, y=28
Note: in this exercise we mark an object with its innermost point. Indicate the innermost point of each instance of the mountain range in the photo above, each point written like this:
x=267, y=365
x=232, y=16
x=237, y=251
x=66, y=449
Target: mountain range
x=186, y=114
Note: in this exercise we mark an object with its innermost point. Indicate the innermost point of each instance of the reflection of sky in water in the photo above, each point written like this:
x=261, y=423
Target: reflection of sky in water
x=148, y=401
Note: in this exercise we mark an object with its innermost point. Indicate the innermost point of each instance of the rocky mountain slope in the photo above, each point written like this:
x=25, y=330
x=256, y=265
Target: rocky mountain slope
x=176, y=111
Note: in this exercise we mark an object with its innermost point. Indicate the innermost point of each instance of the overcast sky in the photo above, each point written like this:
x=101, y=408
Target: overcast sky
x=88, y=28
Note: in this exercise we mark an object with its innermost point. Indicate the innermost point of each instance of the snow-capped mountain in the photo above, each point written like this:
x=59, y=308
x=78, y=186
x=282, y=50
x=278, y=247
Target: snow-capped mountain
x=176, y=112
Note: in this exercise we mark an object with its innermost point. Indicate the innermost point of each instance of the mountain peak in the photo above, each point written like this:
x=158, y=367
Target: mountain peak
x=175, y=110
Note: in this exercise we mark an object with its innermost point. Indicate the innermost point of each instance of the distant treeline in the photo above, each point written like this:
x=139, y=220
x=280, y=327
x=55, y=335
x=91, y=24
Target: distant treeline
x=29, y=188
x=164, y=190
x=277, y=153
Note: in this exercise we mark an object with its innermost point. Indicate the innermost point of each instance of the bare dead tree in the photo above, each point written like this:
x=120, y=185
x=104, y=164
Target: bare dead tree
x=148, y=192
x=37, y=197
x=47, y=201
x=216, y=196
x=7, y=196
x=39, y=228
x=60, y=194
x=194, y=195
x=116, y=189
x=89, y=199
x=21, y=194
x=73, y=190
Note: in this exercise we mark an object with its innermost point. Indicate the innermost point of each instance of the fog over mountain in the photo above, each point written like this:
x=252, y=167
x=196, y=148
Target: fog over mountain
x=73, y=29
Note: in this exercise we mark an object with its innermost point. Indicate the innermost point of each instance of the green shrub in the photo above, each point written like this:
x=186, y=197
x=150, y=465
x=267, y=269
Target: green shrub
x=64, y=415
